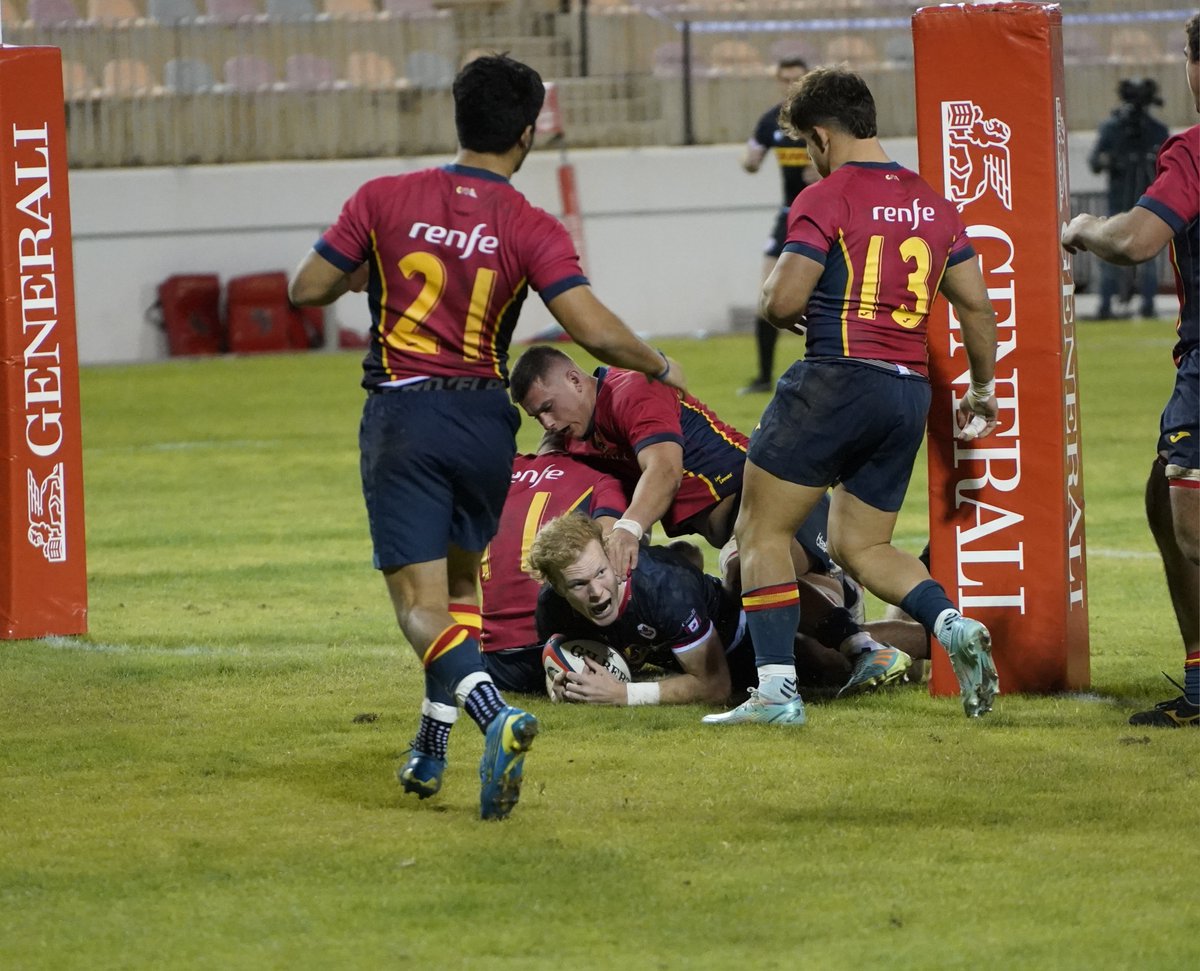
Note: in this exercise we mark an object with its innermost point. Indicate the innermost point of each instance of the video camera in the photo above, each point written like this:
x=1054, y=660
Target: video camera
x=1139, y=93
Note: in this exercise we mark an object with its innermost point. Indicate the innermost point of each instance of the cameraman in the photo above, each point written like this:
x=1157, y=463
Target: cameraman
x=1126, y=145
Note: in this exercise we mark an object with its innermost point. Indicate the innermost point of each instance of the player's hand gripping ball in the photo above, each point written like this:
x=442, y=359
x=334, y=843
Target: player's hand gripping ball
x=561, y=655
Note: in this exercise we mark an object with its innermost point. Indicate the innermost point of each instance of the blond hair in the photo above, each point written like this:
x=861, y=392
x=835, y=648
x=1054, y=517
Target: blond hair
x=559, y=543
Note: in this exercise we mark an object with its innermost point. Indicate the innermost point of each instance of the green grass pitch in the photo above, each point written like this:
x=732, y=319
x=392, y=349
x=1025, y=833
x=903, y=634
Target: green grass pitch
x=190, y=785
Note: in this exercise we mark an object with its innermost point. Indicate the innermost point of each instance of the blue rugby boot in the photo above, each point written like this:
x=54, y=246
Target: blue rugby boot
x=508, y=738
x=754, y=710
x=970, y=653
x=421, y=774
x=874, y=669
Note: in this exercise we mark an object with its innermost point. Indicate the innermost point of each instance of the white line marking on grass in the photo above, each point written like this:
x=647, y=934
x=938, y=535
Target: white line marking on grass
x=197, y=650
x=1123, y=554
x=185, y=446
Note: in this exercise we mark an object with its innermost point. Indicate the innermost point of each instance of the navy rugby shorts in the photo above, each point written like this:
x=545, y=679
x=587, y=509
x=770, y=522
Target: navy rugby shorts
x=435, y=470
x=844, y=421
x=1178, y=434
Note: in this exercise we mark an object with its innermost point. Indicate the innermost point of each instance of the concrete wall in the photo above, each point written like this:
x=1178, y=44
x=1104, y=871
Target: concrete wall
x=673, y=236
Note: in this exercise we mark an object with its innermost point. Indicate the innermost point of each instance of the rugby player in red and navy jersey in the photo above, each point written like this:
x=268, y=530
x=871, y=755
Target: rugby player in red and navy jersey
x=681, y=465
x=544, y=486
x=1168, y=213
x=447, y=256
x=867, y=248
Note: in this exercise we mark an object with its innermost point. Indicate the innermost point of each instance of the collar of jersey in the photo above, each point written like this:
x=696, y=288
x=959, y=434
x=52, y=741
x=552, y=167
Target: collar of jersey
x=626, y=596
x=600, y=374
x=470, y=170
x=876, y=165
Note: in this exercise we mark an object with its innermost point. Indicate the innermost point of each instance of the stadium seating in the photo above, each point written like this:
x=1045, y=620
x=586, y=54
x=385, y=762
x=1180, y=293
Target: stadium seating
x=668, y=60
x=735, y=57
x=187, y=75
x=369, y=69
x=260, y=317
x=171, y=11
x=794, y=47
x=349, y=8
x=229, y=11
x=77, y=81
x=429, y=69
x=248, y=72
x=403, y=7
x=291, y=9
x=46, y=13
x=112, y=12
x=309, y=72
x=126, y=75
x=855, y=49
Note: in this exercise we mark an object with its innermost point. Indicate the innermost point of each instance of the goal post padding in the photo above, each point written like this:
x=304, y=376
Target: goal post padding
x=43, y=571
x=1006, y=512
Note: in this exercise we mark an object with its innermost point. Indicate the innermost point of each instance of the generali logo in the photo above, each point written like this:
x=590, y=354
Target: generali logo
x=48, y=515
x=976, y=156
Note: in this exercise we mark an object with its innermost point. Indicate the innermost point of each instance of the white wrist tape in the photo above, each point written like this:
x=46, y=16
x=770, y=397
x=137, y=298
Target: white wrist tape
x=981, y=390
x=642, y=693
x=630, y=526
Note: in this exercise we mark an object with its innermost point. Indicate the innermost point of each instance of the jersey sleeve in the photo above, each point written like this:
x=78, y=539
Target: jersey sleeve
x=552, y=263
x=812, y=223
x=642, y=412
x=608, y=498
x=1174, y=195
x=347, y=243
x=960, y=243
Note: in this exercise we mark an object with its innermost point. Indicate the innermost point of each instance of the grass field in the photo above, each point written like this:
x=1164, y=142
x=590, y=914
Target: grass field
x=188, y=786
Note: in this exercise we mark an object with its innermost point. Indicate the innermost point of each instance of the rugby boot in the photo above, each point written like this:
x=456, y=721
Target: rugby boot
x=422, y=774
x=970, y=653
x=756, y=710
x=506, y=741
x=873, y=669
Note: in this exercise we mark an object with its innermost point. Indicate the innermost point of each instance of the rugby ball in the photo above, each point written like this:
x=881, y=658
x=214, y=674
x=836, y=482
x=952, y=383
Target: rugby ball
x=563, y=654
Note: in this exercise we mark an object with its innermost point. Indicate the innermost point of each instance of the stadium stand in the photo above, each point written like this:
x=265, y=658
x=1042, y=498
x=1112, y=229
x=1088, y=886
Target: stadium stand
x=51, y=12
x=349, y=8
x=169, y=12
x=77, y=80
x=309, y=72
x=126, y=75
x=370, y=69
x=429, y=69
x=230, y=11
x=187, y=75
x=248, y=72
x=112, y=13
x=291, y=9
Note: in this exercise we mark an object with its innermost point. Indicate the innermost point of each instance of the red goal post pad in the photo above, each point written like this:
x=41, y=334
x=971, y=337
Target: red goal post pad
x=1006, y=512
x=43, y=572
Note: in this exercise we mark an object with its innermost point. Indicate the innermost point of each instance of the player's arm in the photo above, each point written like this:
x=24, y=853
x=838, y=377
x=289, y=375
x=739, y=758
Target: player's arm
x=605, y=336
x=705, y=678
x=317, y=282
x=1127, y=238
x=963, y=286
x=662, y=471
x=786, y=292
x=752, y=157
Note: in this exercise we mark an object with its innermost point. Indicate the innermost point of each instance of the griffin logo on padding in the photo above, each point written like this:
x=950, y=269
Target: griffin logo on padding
x=975, y=153
x=48, y=515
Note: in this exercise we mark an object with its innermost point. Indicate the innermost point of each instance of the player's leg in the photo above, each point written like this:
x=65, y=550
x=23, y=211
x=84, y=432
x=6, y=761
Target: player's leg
x=872, y=664
x=862, y=538
x=1173, y=511
x=766, y=336
x=772, y=509
x=863, y=518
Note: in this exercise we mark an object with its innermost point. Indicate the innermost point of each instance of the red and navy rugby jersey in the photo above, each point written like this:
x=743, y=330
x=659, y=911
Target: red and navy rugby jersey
x=885, y=238
x=543, y=487
x=452, y=253
x=1174, y=196
x=633, y=411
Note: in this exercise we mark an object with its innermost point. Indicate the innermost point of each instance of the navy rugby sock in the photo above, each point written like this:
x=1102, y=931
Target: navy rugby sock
x=773, y=614
x=926, y=603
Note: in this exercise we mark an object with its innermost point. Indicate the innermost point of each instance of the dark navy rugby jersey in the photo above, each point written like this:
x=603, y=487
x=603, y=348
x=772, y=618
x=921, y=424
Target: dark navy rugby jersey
x=791, y=153
x=669, y=608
